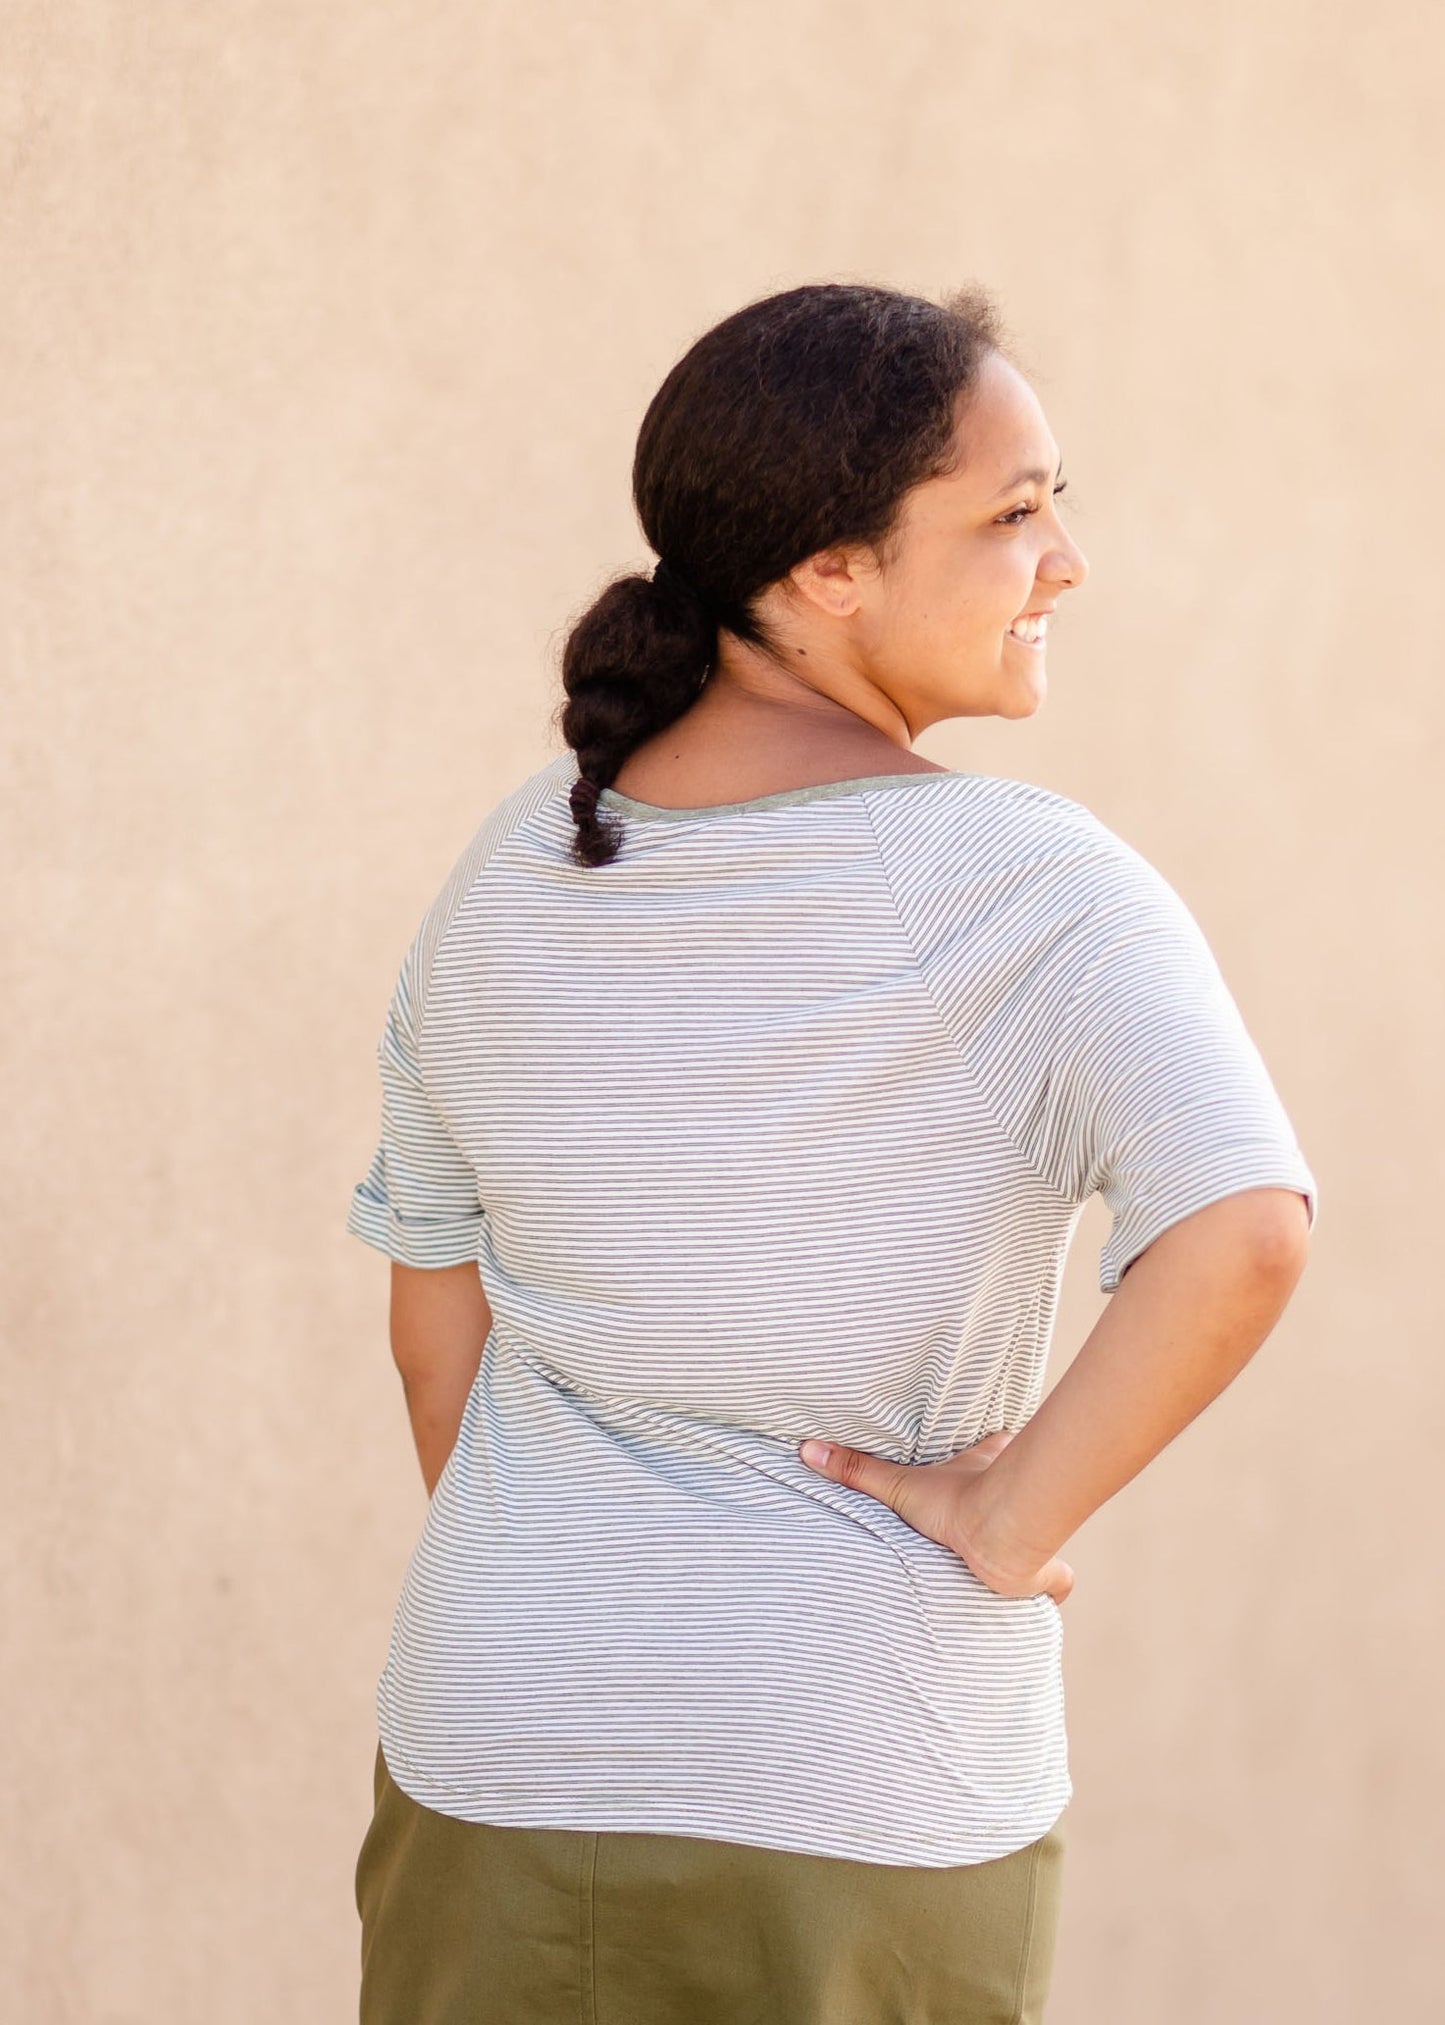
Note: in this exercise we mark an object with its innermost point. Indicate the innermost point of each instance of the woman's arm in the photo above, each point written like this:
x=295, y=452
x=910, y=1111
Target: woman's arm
x=1183, y=1322
x=1185, y=1318
x=440, y=1321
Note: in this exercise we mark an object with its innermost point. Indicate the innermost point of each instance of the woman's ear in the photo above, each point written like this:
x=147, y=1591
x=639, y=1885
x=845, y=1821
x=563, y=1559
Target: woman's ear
x=833, y=579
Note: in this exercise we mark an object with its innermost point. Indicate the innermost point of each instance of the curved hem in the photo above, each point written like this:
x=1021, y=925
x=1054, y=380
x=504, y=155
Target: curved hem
x=585, y=1817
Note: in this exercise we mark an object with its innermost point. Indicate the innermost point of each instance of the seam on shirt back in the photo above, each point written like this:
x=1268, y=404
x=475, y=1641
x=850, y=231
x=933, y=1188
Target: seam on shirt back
x=921, y=968
x=465, y=874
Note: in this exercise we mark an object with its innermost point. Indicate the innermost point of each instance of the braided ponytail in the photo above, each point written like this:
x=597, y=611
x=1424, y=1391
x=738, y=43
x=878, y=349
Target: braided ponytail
x=632, y=664
x=797, y=423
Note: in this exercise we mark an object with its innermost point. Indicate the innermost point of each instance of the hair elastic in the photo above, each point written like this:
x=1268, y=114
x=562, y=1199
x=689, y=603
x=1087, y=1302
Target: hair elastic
x=671, y=581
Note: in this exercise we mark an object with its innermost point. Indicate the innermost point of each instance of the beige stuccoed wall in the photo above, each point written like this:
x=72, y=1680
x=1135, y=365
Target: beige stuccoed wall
x=325, y=335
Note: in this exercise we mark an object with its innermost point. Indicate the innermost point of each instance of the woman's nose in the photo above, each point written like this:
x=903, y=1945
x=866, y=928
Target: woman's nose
x=1068, y=565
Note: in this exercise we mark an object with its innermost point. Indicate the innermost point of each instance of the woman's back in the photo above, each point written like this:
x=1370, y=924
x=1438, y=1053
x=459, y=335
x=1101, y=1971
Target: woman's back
x=777, y=1124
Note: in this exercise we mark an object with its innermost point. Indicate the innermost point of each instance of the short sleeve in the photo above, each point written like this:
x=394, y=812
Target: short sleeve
x=1156, y=1096
x=418, y=1201
x=1096, y=1021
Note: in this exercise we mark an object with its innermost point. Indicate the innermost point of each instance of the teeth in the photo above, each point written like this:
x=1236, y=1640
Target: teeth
x=1031, y=629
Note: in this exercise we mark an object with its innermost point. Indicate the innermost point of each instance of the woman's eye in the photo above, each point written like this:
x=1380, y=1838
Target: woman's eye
x=1016, y=515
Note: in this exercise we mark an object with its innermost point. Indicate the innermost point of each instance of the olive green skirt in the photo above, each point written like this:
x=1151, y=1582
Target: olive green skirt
x=470, y=1923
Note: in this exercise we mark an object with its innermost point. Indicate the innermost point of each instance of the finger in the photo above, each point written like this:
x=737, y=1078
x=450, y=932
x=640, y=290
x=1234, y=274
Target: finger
x=1058, y=1580
x=856, y=1468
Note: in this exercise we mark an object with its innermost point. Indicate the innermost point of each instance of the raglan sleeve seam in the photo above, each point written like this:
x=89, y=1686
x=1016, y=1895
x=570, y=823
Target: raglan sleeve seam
x=1020, y=1151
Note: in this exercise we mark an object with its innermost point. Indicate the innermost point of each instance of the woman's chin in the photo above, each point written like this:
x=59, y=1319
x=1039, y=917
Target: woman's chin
x=1025, y=694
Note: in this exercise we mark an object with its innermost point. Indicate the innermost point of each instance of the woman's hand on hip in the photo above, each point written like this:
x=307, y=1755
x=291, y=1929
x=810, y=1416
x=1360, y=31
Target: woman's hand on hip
x=941, y=1500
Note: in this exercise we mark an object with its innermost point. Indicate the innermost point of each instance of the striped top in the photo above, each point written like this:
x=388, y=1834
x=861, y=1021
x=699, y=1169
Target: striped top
x=778, y=1125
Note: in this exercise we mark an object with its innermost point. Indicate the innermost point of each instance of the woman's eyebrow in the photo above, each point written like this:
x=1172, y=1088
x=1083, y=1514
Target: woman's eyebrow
x=1031, y=477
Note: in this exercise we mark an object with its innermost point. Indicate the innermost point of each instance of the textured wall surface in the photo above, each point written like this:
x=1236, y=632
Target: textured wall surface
x=325, y=335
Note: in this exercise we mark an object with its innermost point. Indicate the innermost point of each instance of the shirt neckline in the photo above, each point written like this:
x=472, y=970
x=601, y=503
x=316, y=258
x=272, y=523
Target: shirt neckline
x=613, y=798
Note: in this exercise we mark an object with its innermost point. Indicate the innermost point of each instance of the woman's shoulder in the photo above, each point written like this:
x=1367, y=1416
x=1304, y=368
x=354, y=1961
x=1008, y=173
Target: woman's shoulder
x=969, y=821
x=501, y=822
x=994, y=857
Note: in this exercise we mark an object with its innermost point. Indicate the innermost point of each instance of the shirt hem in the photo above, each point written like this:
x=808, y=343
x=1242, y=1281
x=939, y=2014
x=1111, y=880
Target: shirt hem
x=586, y=1817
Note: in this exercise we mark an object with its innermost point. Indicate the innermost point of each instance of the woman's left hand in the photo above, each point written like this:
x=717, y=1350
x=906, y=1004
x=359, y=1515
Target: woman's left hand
x=941, y=1500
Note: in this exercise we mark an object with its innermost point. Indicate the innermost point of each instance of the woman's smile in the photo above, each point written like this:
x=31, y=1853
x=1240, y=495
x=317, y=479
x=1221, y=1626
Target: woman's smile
x=1031, y=631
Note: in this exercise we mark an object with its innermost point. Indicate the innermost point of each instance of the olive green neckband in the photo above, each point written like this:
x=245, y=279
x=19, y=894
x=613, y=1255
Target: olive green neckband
x=612, y=798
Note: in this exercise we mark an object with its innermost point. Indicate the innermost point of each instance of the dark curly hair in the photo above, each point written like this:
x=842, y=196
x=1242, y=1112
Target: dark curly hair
x=796, y=424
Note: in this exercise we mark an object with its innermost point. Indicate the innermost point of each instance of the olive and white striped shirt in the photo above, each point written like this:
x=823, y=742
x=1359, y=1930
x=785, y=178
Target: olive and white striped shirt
x=778, y=1125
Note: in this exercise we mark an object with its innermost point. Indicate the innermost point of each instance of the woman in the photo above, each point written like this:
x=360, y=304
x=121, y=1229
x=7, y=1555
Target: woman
x=742, y=1088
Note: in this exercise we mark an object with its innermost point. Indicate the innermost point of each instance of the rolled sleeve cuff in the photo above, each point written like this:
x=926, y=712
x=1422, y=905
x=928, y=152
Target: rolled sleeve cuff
x=1244, y=1168
x=452, y=1241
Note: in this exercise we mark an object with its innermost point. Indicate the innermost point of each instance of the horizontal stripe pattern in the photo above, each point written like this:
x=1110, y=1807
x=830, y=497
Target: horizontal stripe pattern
x=778, y=1125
